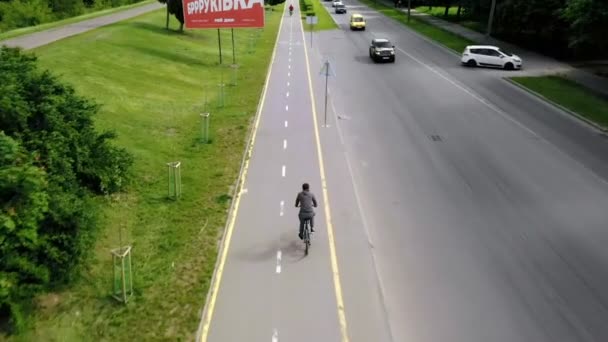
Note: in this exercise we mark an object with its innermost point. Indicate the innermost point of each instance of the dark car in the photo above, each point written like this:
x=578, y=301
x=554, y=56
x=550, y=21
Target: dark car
x=340, y=9
x=382, y=50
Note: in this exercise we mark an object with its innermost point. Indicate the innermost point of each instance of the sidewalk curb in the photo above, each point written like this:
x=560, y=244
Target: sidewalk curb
x=555, y=104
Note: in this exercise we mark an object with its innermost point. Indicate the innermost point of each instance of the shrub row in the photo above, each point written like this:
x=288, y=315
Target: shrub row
x=53, y=162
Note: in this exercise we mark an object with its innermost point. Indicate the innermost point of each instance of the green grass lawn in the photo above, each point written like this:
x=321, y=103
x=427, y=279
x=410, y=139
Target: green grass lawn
x=452, y=16
x=325, y=21
x=570, y=95
x=152, y=84
x=47, y=26
x=437, y=11
x=448, y=39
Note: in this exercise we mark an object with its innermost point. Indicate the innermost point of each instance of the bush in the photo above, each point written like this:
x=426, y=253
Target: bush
x=67, y=8
x=307, y=8
x=24, y=13
x=52, y=161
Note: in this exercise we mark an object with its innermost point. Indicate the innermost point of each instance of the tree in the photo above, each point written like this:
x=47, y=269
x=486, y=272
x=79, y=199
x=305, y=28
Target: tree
x=175, y=7
x=52, y=161
x=23, y=205
x=588, y=22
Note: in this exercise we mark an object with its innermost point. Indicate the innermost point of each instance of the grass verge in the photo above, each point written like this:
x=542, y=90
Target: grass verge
x=443, y=37
x=325, y=21
x=152, y=84
x=47, y=26
x=439, y=12
x=569, y=95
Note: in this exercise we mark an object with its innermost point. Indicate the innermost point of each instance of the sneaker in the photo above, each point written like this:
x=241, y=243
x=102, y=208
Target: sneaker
x=312, y=230
x=301, y=237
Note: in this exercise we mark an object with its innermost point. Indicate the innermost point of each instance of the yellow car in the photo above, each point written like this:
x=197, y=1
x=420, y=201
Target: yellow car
x=357, y=22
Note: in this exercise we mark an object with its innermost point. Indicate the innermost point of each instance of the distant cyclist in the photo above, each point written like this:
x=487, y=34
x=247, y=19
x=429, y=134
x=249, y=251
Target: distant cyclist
x=306, y=201
x=290, y=9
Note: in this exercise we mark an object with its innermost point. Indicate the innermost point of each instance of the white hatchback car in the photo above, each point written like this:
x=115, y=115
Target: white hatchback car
x=492, y=56
x=336, y=2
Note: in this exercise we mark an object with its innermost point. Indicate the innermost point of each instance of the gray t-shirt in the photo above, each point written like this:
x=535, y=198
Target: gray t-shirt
x=307, y=201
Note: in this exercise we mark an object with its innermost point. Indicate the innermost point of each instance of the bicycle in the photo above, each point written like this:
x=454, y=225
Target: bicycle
x=306, y=236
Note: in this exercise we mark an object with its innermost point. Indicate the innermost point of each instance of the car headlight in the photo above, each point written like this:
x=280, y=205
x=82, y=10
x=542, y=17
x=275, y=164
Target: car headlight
x=517, y=60
x=377, y=52
x=392, y=52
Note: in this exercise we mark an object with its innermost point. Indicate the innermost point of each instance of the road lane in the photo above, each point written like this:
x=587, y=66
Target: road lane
x=483, y=229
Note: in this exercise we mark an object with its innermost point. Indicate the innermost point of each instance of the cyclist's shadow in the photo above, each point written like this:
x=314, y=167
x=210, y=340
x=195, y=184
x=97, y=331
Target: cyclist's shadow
x=291, y=247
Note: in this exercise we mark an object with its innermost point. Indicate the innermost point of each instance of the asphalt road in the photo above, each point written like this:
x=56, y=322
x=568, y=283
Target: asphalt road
x=484, y=208
x=41, y=38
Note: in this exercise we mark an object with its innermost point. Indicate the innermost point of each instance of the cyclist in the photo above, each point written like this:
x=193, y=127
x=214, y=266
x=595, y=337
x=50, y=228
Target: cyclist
x=306, y=201
x=290, y=9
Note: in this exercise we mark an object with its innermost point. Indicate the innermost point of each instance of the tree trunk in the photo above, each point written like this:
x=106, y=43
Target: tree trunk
x=167, y=21
x=181, y=27
x=447, y=10
x=459, y=11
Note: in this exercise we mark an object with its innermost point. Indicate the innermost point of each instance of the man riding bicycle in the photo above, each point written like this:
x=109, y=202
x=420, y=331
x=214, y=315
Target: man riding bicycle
x=306, y=201
x=290, y=9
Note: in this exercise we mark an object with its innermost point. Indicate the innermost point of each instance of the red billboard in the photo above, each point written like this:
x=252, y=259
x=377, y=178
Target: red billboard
x=223, y=13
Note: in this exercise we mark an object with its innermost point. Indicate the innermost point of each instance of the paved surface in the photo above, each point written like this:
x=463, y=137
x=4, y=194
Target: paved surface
x=535, y=64
x=269, y=290
x=41, y=38
x=484, y=208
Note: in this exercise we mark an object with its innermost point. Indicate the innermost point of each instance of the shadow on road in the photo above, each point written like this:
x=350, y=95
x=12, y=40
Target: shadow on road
x=291, y=247
x=363, y=59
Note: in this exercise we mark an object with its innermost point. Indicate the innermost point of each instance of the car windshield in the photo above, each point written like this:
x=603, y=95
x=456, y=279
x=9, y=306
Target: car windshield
x=383, y=44
x=358, y=20
x=341, y=6
x=505, y=52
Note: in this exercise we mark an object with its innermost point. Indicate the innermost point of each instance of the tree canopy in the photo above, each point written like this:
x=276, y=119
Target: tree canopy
x=562, y=28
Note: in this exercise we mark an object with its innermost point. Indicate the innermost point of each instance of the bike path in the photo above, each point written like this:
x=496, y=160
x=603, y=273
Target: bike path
x=267, y=289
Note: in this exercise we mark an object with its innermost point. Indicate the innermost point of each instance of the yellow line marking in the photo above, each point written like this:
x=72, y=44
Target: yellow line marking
x=330, y=229
x=217, y=277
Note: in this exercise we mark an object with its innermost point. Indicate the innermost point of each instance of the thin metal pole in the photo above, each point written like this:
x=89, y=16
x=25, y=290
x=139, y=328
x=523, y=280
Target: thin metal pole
x=311, y=33
x=219, y=43
x=326, y=80
x=167, y=21
x=233, y=49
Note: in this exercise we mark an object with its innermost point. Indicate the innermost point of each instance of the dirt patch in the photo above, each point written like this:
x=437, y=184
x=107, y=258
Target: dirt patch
x=48, y=301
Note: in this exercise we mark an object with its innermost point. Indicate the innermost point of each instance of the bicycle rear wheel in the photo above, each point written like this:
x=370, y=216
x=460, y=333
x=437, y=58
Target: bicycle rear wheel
x=306, y=237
